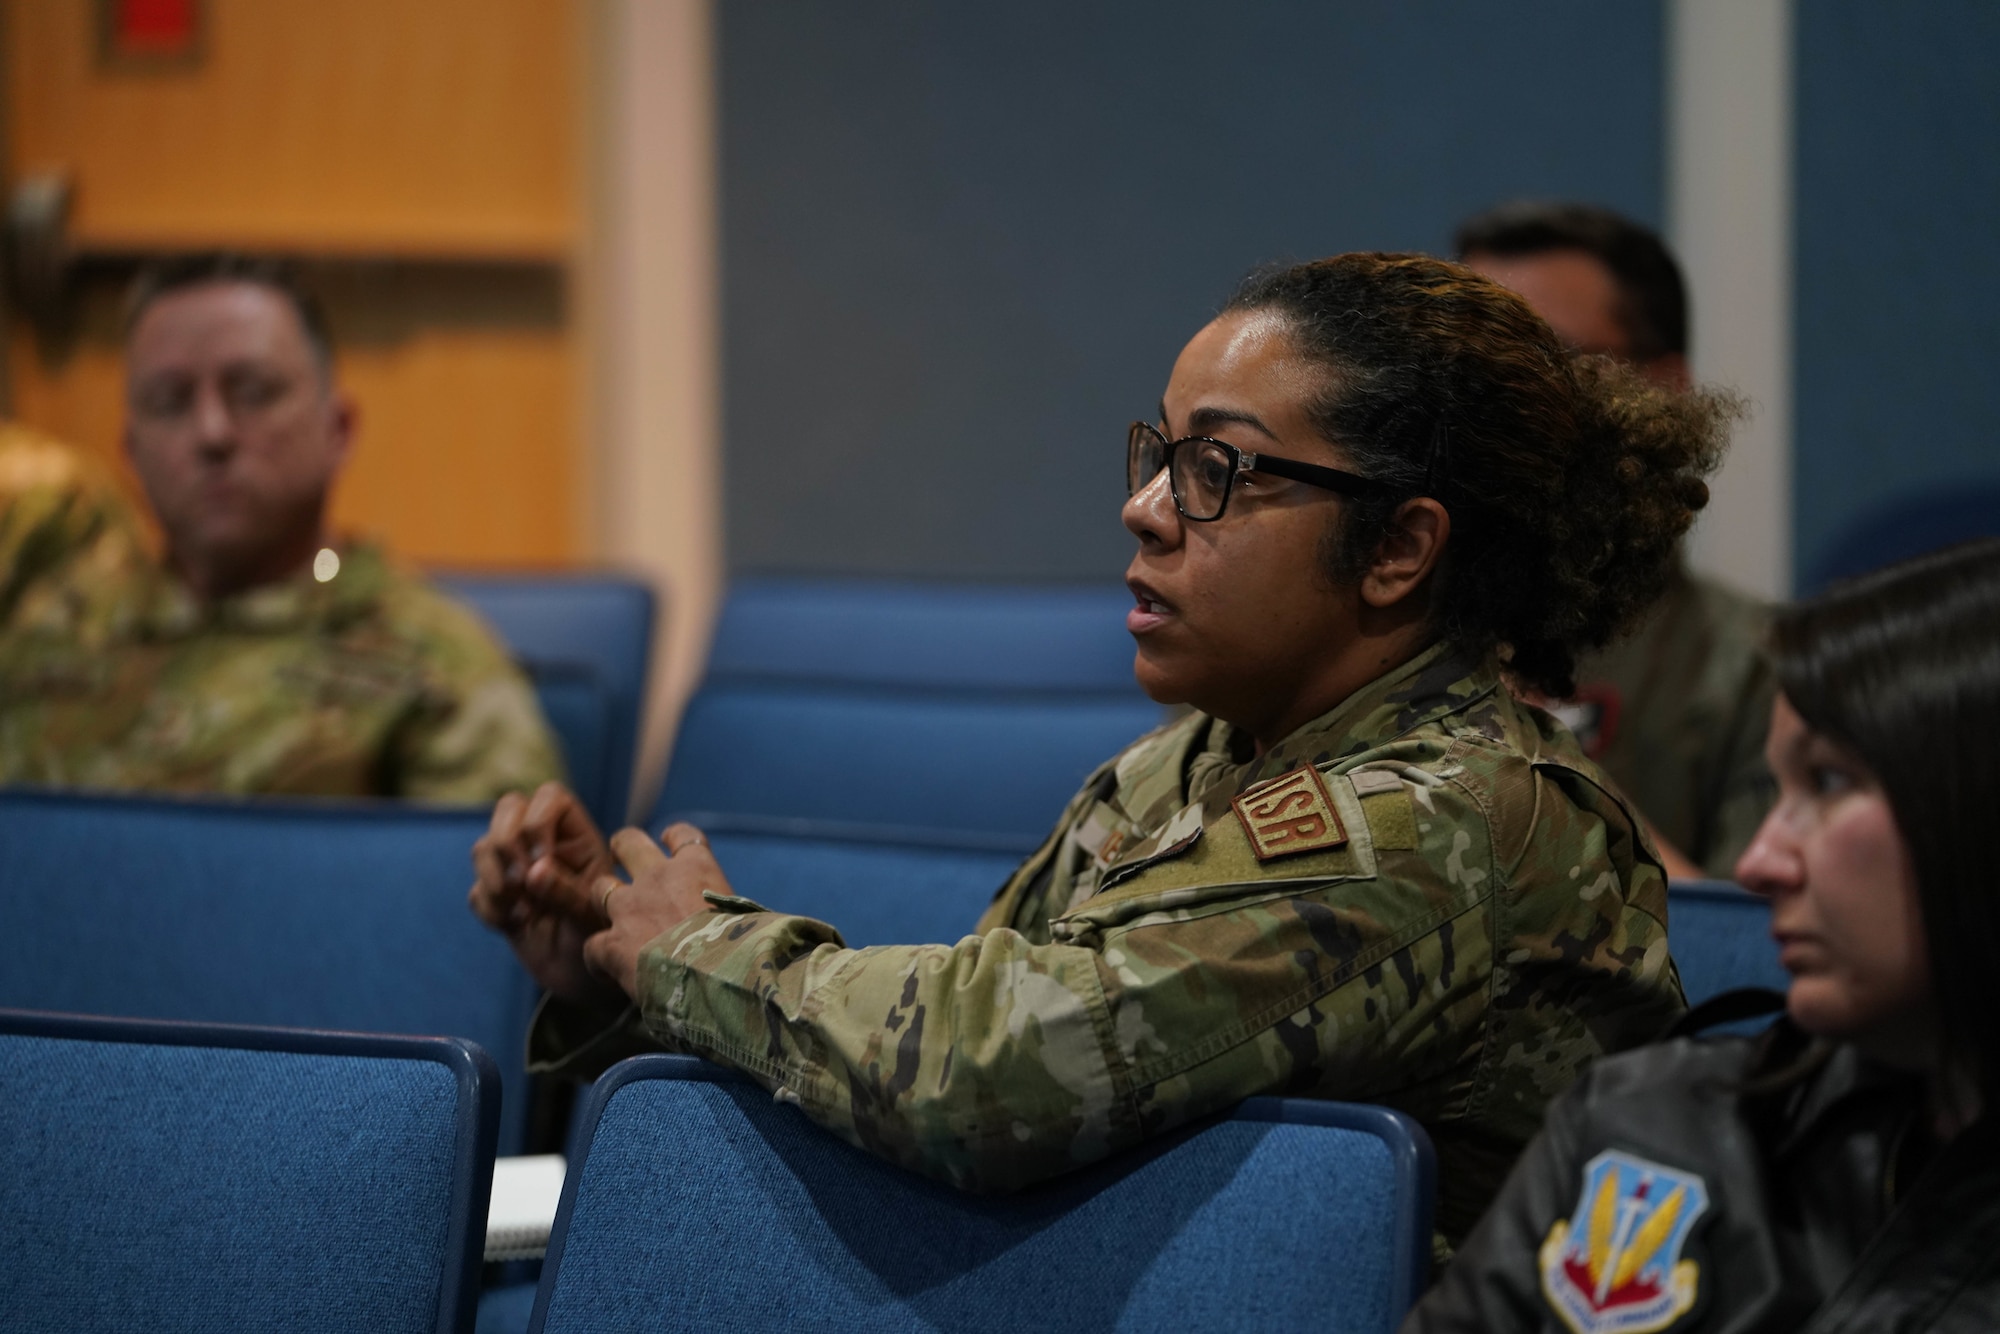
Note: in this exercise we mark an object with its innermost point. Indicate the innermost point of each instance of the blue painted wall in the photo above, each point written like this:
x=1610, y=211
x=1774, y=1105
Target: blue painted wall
x=963, y=243
x=1898, y=259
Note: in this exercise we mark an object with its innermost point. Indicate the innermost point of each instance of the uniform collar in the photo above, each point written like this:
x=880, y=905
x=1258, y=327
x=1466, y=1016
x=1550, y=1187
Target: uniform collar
x=1440, y=681
x=172, y=611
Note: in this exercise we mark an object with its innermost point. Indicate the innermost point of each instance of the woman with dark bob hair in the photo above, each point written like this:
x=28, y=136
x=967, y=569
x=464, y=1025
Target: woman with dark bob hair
x=1357, y=869
x=1836, y=1172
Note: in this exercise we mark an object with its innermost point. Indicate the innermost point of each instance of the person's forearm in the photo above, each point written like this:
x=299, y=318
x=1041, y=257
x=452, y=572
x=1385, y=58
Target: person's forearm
x=988, y=1064
x=995, y=1063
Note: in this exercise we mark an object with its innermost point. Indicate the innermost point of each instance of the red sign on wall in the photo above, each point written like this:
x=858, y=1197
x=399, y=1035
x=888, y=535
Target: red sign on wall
x=149, y=32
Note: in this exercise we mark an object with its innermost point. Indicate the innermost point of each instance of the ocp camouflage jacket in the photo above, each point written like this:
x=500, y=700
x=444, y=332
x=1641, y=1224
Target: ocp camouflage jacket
x=113, y=674
x=1451, y=915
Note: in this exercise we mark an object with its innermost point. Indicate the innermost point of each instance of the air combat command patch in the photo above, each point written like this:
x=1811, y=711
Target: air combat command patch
x=1615, y=1264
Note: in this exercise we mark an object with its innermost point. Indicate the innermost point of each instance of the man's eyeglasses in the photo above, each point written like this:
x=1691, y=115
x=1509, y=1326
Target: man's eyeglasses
x=1202, y=472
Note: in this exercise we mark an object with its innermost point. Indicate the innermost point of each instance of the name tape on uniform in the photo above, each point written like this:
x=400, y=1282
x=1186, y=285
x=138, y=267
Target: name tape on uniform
x=1290, y=814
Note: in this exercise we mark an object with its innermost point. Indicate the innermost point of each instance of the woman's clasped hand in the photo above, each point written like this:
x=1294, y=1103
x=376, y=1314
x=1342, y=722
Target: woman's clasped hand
x=550, y=881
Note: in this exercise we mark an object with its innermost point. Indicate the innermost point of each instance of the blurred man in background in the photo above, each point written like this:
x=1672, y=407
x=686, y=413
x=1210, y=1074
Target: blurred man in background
x=257, y=655
x=1677, y=711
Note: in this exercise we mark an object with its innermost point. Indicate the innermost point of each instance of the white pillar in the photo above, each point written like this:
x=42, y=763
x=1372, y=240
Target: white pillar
x=1730, y=185
x=649, y=308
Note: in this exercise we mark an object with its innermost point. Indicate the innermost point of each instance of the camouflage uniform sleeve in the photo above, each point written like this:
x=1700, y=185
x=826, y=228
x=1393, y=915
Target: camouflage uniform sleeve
x=478, y=731
x=54, y=502
x=989, y=1064
x=1193, y=982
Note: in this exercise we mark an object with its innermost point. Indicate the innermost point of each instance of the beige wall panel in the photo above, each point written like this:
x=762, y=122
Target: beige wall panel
x=407, y=127
x=452, y=427
x=82, y=402
x=649, y=299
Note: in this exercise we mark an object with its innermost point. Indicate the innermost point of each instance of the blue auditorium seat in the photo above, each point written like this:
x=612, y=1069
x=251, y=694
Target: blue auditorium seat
x=979, y=764
x=1720, y=937
x=861, y=632
x=877, y=886
x=702, y=1204
x=586, y=641
x=1906, y=526
x=317, y=915
x=975, y=710
x=179, y=1178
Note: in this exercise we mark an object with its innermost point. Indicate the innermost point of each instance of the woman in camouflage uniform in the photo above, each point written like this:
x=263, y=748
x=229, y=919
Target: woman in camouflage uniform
x=1358, y=869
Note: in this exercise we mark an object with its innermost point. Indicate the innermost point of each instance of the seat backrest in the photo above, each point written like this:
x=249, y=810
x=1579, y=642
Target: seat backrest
x=862, y=632
x=335, y=915
x=172, y=1177
x=979, y=764
x=568, y=629
x=1906, y=526
x=1720, y=938
x=702, y=1204
x=587, y=721
x=877, y=886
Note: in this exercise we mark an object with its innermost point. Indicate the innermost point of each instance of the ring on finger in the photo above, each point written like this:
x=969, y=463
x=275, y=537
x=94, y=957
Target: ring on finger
x=604, y=899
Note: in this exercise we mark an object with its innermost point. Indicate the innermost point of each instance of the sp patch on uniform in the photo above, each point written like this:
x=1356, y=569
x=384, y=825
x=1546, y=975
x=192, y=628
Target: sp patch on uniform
x=1615, y=1264
x=1292, y=813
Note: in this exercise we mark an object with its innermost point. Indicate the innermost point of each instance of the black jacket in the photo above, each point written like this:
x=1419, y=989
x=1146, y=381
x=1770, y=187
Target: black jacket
x=1825, y=1207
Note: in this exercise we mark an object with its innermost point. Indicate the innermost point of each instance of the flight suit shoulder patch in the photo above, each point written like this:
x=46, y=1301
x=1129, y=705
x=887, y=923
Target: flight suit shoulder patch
x=1615, y=1265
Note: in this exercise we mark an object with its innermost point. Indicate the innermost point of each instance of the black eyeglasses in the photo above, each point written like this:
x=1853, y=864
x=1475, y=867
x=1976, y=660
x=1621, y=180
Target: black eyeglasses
x=1202, y=472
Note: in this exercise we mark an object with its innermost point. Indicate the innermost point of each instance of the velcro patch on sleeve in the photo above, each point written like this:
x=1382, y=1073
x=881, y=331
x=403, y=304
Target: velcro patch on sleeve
x=1392, y=821
x=1288, y=815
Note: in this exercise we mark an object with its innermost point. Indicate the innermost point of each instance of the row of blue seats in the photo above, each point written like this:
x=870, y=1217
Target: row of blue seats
x=178, y=1178
x=354, y=917
x=969, y=710
x=887, y=782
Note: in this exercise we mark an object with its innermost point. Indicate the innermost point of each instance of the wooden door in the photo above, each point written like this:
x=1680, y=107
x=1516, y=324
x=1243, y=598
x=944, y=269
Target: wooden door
x=421, y=157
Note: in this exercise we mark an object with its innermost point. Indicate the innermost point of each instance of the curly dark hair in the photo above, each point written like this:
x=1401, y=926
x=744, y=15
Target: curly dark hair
x=1569, y=479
